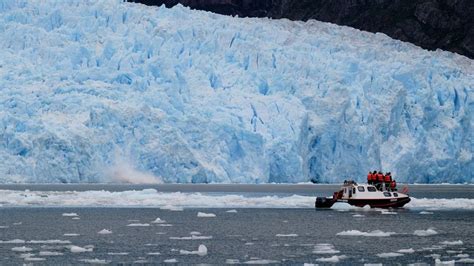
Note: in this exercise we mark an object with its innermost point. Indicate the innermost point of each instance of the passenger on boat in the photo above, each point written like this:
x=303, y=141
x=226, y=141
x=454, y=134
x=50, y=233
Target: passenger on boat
x=370, y=178
x=393, y=185
x=380, y=180
x=388, y=180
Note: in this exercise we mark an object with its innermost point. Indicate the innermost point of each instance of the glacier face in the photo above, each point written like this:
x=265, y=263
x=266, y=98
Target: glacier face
x=92, y=90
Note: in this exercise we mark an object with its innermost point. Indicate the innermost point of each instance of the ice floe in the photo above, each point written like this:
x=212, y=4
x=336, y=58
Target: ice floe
x=462, y=256
x=466, y=260
x=154, y=253
x=50, y=253
x=22, y=249
x=176, y=201
x=232, y=211
x=427, y=232
x=202, y=251
x=426, y=212
x=457, y=242
x=158, y=221
x=261, y=261
x=94, y=261
x=286, y=235
x=14, y=241
x=71, y=214
x=358, y=215
x=170, y=261
x=205, y=215
x=138, y=225
x=440, y=262
x=232, y=261
x=49, y=241
x=192, y=237
x=389, y=255
x=325, y=249
x=375, y=233
x=104, y=232
x=409, y=250
x=77, y=249
x=118, y=253
x=71, y=234
x=334, y=258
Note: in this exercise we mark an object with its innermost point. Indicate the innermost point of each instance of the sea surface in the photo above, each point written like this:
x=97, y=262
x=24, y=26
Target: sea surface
x=56, y=234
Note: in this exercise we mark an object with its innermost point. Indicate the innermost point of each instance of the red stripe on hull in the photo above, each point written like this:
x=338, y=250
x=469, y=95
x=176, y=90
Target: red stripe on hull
x=379, y=203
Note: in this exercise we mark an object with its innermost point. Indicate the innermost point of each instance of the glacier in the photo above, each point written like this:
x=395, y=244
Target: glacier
x=100, y=91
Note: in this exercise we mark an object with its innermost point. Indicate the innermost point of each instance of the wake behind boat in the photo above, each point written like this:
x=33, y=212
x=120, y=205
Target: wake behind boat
x=361, y=195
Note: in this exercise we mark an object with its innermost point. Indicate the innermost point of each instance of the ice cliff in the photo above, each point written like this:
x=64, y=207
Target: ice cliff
x=95, y=90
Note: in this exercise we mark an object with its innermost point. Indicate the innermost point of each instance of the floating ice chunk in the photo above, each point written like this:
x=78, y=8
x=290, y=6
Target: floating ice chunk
x=286, y=235
x=325, y=249
x=49, y=241
x=389, y=255
x=104, y=232
x=358, y=215
x=26, y=255
x=118, y=253
x=158, y=221
x=425, y=212
x=70, y=214
x=172, y=208
x=165, y=225
x=202, y=251
x=76, y=218
x=34, y=259
x=376, y=233
x=195, y=233
x=458, y=242
x=71, y=234
x=154, y=253
x=77, y=249
x=170, y=261
x=434, y=256
x=4, y=226
x=232, y=211
x=462, y=256
x=18, y=223
x=193, y=237
x=50, y=253
x=388, y=212
x=334, y=258
x=427, y=232
x=205, y=215
x=466, y=260
x=439, y=262
x=95, y=261
x=14, y=241
x=261, y=261
x=138, y=225
x=232, y=261
x=22, y=249
x=249, y=244
x=409, y=250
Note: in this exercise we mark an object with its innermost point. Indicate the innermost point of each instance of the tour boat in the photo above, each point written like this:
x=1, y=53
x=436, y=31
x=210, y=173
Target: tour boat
x=361, y=195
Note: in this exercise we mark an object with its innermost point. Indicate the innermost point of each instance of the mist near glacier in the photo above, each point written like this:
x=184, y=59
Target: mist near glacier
x=190, y=96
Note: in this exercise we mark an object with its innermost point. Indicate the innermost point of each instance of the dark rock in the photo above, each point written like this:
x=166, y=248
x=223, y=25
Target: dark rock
x=431, y=24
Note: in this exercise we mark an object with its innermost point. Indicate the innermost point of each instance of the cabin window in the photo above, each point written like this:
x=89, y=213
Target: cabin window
x=361, y=189
x=387, y=194
x=371, y=189
x=395, y=194
x=353, y=190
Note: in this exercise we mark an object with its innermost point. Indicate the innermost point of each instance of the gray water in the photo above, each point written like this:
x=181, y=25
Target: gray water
x=250, y=235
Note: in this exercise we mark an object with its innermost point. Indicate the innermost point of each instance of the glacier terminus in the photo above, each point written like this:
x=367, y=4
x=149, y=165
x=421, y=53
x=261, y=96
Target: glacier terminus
x=98, y=91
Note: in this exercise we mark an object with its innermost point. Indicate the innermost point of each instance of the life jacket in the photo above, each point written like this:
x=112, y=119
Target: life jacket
x=393, y=184
x=369, y=177
x=380, y=177
x=388, y=178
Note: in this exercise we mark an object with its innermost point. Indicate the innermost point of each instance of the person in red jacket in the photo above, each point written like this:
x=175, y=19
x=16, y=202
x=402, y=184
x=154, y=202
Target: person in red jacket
x=369, y=178
x=393, y=185
x=380, y=180
x=387, y=179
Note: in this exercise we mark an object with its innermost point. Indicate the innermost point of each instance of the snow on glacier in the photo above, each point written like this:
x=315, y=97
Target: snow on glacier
x=97, y=91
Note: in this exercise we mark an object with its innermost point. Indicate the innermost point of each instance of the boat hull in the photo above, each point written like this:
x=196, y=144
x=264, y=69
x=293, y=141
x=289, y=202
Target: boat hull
x=380, y=203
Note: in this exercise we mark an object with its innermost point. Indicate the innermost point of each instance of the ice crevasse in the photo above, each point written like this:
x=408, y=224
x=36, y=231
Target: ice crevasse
x=93, y=91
